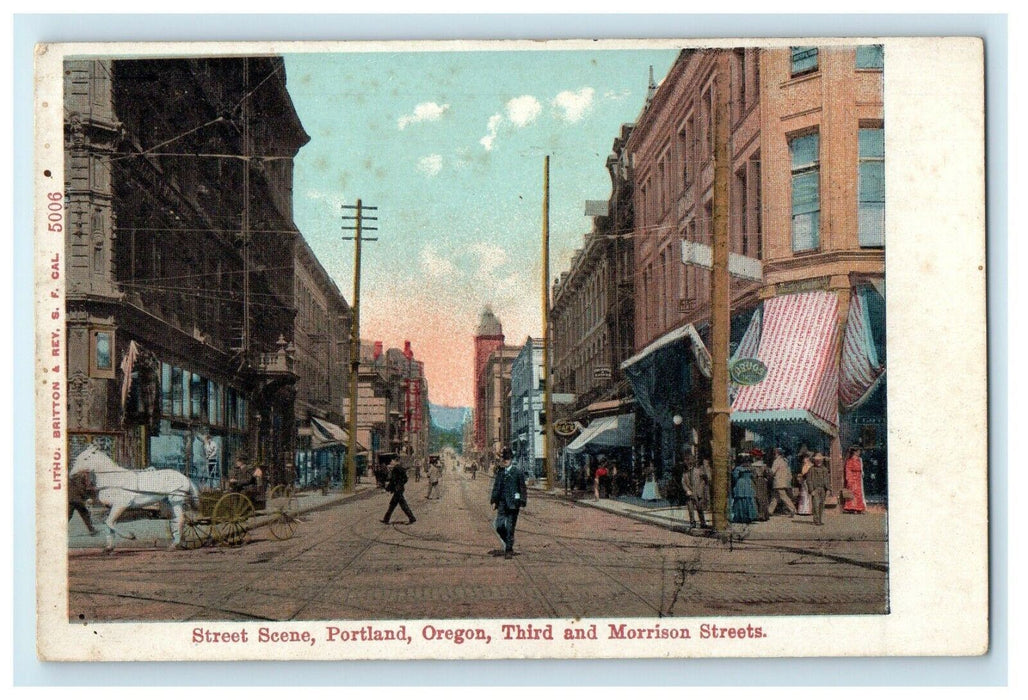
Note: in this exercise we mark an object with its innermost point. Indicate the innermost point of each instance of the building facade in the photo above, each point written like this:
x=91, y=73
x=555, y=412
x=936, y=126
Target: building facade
x=807, y=240
x=321, y=334
x=488, y=337
x=178, y=181
x=526, y=406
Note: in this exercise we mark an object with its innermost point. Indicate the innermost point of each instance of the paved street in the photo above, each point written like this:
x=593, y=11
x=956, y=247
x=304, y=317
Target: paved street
x=574, y=559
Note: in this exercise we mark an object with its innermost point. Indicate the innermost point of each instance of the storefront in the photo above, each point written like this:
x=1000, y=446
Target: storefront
x=818, y=394
x=321, y=454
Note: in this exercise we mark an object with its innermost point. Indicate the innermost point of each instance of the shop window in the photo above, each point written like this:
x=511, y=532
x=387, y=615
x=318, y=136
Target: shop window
x=241, y=423
x=872, y=56
x=196, y=386
x=166, y=388
x=871, y=226
x=214, y=415
x=804, y=60
x=101, y=354
x=806, y=193
x=177, y=389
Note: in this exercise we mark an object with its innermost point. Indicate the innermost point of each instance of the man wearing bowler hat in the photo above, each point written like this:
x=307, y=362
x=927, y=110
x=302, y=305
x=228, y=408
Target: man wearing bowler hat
x=509, y=496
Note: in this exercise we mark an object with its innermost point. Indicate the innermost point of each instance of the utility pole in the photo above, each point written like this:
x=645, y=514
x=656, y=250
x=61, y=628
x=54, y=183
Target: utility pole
x=547, y=396
x=720, y=300
x=355, y=334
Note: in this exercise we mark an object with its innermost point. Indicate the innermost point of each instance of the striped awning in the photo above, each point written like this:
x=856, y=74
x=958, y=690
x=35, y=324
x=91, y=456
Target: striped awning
x=798, y=337
x=861, y=369
x=326, y=434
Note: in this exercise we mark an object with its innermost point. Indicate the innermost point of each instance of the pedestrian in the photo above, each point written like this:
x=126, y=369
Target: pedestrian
x=474, y=470
x=818, y=481
x=417, y=471
x=695, y=481
x=434, y=473
x=210, y=451
x=781, y=481
x=744, y=502
x=395, y=485
x=81, y=489
x=758, y=468
x=509, y=496
x=600, y=480
x=803, y=505
x=853, y=479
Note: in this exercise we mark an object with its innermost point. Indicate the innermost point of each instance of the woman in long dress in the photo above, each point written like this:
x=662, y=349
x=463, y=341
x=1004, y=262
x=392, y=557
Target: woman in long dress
x=803, y=502
x=853, y=478
x=744, y=500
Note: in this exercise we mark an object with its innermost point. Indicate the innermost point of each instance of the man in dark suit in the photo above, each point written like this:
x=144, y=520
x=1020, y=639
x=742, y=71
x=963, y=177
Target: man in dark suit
x=509, y=496
x=397, y=482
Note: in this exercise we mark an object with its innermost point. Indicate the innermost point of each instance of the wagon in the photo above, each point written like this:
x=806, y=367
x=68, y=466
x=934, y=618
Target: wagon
x=224, y=517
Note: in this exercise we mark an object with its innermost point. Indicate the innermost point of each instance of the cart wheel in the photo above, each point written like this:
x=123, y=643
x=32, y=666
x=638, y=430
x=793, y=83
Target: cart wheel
x=228, y=519
x=284, y=508
x=195, y=532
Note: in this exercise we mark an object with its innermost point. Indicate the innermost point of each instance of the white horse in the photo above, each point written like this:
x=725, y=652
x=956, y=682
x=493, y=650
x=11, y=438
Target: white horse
x=120, y=488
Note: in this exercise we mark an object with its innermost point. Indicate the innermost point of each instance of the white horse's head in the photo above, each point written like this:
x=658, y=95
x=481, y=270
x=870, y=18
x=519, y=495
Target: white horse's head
x=92, y=459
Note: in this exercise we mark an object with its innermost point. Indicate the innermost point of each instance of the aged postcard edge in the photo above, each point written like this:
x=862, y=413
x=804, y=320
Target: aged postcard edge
x=934, y=93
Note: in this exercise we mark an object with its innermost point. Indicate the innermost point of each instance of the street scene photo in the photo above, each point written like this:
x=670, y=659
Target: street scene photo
x=463, y=334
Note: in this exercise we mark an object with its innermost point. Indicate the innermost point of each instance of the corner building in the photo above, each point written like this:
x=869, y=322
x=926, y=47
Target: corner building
x=806, y=222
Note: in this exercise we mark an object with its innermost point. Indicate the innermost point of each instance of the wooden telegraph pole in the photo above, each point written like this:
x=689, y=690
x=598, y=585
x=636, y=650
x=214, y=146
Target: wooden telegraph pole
x=720, y=299
x=355, y=334
x=547, y=396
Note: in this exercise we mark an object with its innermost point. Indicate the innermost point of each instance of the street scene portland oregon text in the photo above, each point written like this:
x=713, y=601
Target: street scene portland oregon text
x=379, y=337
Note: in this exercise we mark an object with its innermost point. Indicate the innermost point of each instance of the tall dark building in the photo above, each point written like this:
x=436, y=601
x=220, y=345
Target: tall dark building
x=179, y=255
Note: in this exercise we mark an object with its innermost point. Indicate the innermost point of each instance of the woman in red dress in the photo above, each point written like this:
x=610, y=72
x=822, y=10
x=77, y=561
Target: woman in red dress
x=854, y=480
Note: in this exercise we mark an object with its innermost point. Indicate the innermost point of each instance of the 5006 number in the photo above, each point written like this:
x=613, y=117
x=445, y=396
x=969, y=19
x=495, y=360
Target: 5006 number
x=56, y=212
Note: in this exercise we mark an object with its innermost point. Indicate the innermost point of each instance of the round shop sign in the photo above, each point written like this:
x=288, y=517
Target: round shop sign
x=565, y=428
x=748, y=371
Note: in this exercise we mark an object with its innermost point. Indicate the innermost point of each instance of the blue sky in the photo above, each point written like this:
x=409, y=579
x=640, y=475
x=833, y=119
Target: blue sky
x=450, y=146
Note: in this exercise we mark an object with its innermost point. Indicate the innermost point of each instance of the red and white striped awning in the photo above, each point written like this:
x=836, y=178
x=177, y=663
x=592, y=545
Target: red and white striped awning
x=861, y=368
x=798, y=345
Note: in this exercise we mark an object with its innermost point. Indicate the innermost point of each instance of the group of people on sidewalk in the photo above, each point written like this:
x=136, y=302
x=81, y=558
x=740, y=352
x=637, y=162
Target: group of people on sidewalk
x=758, y=490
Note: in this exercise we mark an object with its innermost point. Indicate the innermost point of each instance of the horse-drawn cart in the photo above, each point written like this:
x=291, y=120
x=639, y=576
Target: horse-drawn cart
x=224, y=517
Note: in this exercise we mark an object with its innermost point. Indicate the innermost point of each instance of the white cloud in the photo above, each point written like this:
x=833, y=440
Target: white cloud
x=574, y=105
x=424, y=112
x=491, y=127
x=431, y=165
x=612, y=95
x=435, y=265
x=490, y=258
x=523, y=110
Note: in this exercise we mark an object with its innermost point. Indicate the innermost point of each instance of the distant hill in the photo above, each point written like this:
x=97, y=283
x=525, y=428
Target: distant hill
x=449, y=417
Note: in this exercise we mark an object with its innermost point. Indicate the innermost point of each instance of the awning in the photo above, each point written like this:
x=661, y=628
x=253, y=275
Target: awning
x=325, y=434
x=798, y=345
x=605, y=433
x=679, y=334
x=861, y=369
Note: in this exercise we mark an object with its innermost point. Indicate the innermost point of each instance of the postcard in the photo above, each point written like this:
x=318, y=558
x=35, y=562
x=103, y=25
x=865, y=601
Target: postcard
x=492, y=350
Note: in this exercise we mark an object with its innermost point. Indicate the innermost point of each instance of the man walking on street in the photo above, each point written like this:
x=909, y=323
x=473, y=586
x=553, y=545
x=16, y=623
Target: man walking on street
x=509, y=496
x=434, y=472
x=396, y=483
x=695, y=479
x=781, y=481
x=818, y=481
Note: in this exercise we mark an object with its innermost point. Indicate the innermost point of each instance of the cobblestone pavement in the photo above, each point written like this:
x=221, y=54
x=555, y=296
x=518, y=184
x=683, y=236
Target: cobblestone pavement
x=572, y=561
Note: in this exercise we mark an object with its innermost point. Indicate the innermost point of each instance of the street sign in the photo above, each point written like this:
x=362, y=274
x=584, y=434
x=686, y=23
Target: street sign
x=748, y=371
x=601, y=373
x=565, y=428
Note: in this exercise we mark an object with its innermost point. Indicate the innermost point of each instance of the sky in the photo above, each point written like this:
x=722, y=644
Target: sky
x=450, y=147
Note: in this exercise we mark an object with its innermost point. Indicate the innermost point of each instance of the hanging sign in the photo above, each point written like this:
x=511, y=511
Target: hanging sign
x=565, y=428
x=748, y=371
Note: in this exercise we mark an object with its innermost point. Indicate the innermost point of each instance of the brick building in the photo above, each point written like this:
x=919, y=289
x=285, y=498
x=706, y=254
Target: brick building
x=807, y=241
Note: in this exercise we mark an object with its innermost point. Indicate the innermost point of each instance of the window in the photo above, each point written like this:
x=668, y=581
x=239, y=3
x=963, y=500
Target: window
x=101, y=354
x=806, y=193
x=214, y=403
x=804, y=60
x=196, y=385
x=872, y=56
x=177, y=386
x=871, y=215
x=166, y=388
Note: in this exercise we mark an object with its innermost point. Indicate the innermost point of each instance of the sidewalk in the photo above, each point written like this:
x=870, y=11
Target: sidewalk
x=868, y=526
x=156, y=532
